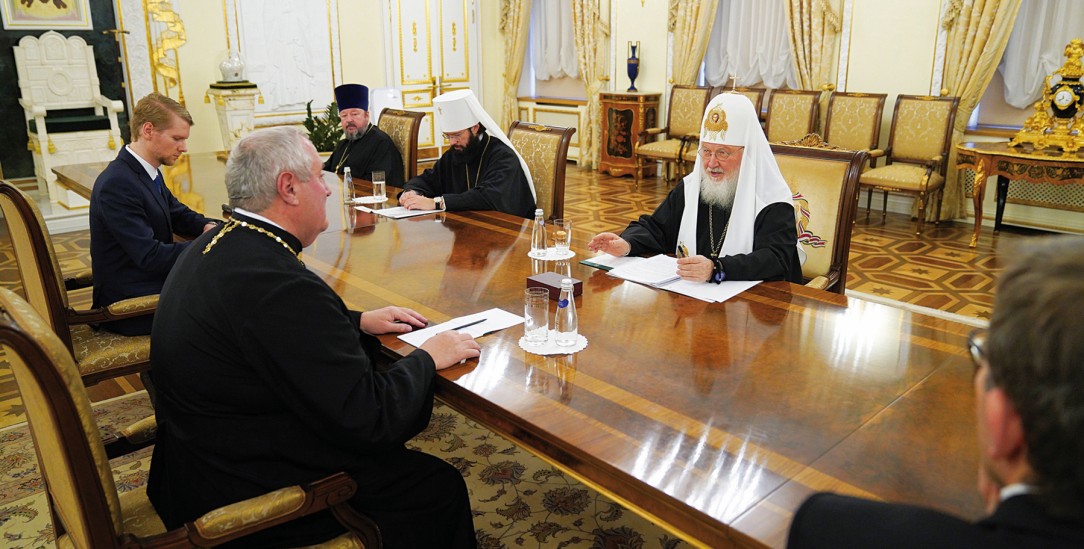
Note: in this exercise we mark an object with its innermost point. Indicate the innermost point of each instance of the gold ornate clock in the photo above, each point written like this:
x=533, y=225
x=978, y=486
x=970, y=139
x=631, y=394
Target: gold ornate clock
x=1059, y=116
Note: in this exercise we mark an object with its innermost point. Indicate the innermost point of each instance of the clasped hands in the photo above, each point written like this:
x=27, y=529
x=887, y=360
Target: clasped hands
x=696, y=268
x=414, y=201
x=446, y=348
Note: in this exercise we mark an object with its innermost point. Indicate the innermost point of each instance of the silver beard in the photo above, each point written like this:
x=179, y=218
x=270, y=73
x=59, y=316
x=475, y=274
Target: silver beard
x=720, y=193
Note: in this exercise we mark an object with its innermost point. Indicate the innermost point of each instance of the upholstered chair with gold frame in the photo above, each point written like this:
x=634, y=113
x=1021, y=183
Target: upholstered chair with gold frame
x=854, y=122
x=545, y=150
x=918, y=147
x=68, y=120
x=792, y=114
x=100, y=354
x=824, y=180
x=86, y=508
x=402, y=127
x=755, y=95
x=682, y=131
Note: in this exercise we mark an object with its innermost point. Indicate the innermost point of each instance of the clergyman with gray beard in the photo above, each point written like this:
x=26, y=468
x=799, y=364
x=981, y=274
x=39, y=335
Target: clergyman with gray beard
x=732, y=217
x=365, y=148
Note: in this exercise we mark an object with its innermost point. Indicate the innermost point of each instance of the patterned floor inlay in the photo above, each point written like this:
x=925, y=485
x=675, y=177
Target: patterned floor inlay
x=518, y=500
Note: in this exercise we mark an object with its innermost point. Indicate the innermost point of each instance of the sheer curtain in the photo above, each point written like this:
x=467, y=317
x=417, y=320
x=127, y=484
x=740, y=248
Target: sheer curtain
x=750, y=39
x=553, y=44
x=514, y=25
x=1037, y=47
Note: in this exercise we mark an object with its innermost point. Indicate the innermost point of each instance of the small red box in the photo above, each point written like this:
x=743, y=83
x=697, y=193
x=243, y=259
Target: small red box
x=552, y=282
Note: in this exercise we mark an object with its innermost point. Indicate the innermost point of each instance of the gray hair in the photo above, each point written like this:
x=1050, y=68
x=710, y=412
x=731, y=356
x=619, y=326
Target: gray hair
x=1035, y=351
x=257, y=160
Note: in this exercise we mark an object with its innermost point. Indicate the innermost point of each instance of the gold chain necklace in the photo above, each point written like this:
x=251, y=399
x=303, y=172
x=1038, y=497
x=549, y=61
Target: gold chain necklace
x=477, y=172
x=346, y=154
x=233, y=223
x=711, y=233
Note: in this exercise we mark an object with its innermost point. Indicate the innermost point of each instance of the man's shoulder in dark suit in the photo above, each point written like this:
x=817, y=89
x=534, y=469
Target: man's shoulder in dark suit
x=830, y=520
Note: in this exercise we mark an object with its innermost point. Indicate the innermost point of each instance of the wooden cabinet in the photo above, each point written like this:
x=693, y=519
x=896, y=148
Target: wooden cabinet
x=624, y=116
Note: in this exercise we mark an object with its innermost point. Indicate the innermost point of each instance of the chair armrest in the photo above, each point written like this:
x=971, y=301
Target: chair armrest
x=819, y=283
x=876, y=153
x=35, y=110
x=648, y=134
x=103, y=101
x=79, y=280
x=136, y=436
x=126, y=308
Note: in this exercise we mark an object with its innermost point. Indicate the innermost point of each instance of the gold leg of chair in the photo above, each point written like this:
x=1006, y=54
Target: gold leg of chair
x=921, y=213
x=638, y=171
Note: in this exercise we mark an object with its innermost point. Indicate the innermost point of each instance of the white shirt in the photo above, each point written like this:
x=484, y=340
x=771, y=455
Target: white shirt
x=151, y=170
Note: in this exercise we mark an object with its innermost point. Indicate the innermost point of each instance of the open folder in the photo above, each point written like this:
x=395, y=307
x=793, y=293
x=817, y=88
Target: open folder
x=660, y=271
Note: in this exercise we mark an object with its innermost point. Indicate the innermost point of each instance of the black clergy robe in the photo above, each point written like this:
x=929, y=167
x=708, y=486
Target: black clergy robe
x=491, y=178
x=265, y=380
x=775, y=240
x=373, y=151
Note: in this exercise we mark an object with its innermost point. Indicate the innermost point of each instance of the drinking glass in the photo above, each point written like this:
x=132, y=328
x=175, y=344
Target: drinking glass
x=536, y=313
x=562, y=235
x=378, y=186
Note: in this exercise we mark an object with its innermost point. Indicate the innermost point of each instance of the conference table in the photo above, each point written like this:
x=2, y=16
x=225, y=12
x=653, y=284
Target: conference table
x=714, y=419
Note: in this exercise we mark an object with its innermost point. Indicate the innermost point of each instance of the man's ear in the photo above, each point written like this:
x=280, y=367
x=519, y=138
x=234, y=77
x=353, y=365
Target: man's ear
x=287, y=186
x=1004, y=427
x=476, y=129
x=145, y=130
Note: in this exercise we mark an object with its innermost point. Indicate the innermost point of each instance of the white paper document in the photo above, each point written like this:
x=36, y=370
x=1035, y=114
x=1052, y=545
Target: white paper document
x=660, y=272
x=607, y=261
x=397, y=212
x=492, y=320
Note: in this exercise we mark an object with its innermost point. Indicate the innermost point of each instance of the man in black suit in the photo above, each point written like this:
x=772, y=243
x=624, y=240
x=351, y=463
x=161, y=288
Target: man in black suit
x=1029, y=392
x=133, y=216
x=265, y=378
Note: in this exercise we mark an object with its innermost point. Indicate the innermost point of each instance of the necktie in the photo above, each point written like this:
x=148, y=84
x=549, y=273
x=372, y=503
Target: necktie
x=160, y=184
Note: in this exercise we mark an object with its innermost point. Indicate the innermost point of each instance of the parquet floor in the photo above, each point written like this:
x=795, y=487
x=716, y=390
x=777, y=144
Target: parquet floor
x=936, y=270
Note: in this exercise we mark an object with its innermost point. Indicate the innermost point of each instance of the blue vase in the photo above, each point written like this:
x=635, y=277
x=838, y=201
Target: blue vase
x=634, y=68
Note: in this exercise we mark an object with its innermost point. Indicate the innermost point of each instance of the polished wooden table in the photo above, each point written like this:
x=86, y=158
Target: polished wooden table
x=1021, y=163
x=714, y=419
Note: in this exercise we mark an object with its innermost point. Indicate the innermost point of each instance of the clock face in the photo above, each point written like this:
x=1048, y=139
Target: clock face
x=1063, y=98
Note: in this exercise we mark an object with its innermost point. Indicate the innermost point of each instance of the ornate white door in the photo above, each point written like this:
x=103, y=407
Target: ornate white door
x=434, y=49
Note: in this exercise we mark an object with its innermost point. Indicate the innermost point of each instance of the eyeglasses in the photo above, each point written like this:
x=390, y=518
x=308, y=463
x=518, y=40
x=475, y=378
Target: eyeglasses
x=976, y=344
x=722, y=155
x=462, y=135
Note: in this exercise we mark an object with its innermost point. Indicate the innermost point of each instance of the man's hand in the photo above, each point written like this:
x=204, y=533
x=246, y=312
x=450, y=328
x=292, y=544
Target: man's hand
x=609, y=243
x=209, y=226
x=414, y=201
x=697, y=268
x=391, y=320
x=451, y=347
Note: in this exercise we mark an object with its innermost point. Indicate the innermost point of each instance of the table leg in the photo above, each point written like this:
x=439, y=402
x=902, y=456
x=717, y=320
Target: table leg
x=1002, y=194
x=978, y=192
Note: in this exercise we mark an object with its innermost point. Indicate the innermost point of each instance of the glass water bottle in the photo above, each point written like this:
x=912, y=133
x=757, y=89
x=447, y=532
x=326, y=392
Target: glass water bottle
x=348, y=186
x=566, y=324
x=538, y=234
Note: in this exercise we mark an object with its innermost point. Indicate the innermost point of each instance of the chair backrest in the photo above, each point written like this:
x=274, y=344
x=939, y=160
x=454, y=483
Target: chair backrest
x=78, y=480
x=755, y=95
x=42, y=279
x=824, y=181
x=922, y=128
x=854, y=120
x=56, y=72
x=545, y=150
x=792, y=114
x=402, y=127
x=687, y=104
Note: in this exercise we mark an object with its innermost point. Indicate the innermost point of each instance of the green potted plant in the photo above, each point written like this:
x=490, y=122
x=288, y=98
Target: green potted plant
x=324, y=131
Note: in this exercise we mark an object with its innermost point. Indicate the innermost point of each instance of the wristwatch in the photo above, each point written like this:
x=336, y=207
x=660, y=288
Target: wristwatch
x=439, y=203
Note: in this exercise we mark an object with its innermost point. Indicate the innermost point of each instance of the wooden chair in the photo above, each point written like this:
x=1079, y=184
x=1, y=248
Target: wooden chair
x=68, y=120
x=100, y=354
x=545, y=150
x=755, y=95
x=824, y=180
x=682, y=130
x=792, y=114
x=918, y=147
x=854, y=122
x=402, y=126
x=87, y=510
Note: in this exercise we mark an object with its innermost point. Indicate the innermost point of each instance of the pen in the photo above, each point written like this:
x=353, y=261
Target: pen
x=682, y=250
x=468, y=325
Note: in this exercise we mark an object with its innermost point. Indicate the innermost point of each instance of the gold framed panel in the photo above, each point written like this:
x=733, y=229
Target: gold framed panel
x=426, y=75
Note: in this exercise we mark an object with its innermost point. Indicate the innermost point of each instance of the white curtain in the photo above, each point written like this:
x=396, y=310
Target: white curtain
x=553, y=44
x=751, y=40
x=1036, y=47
